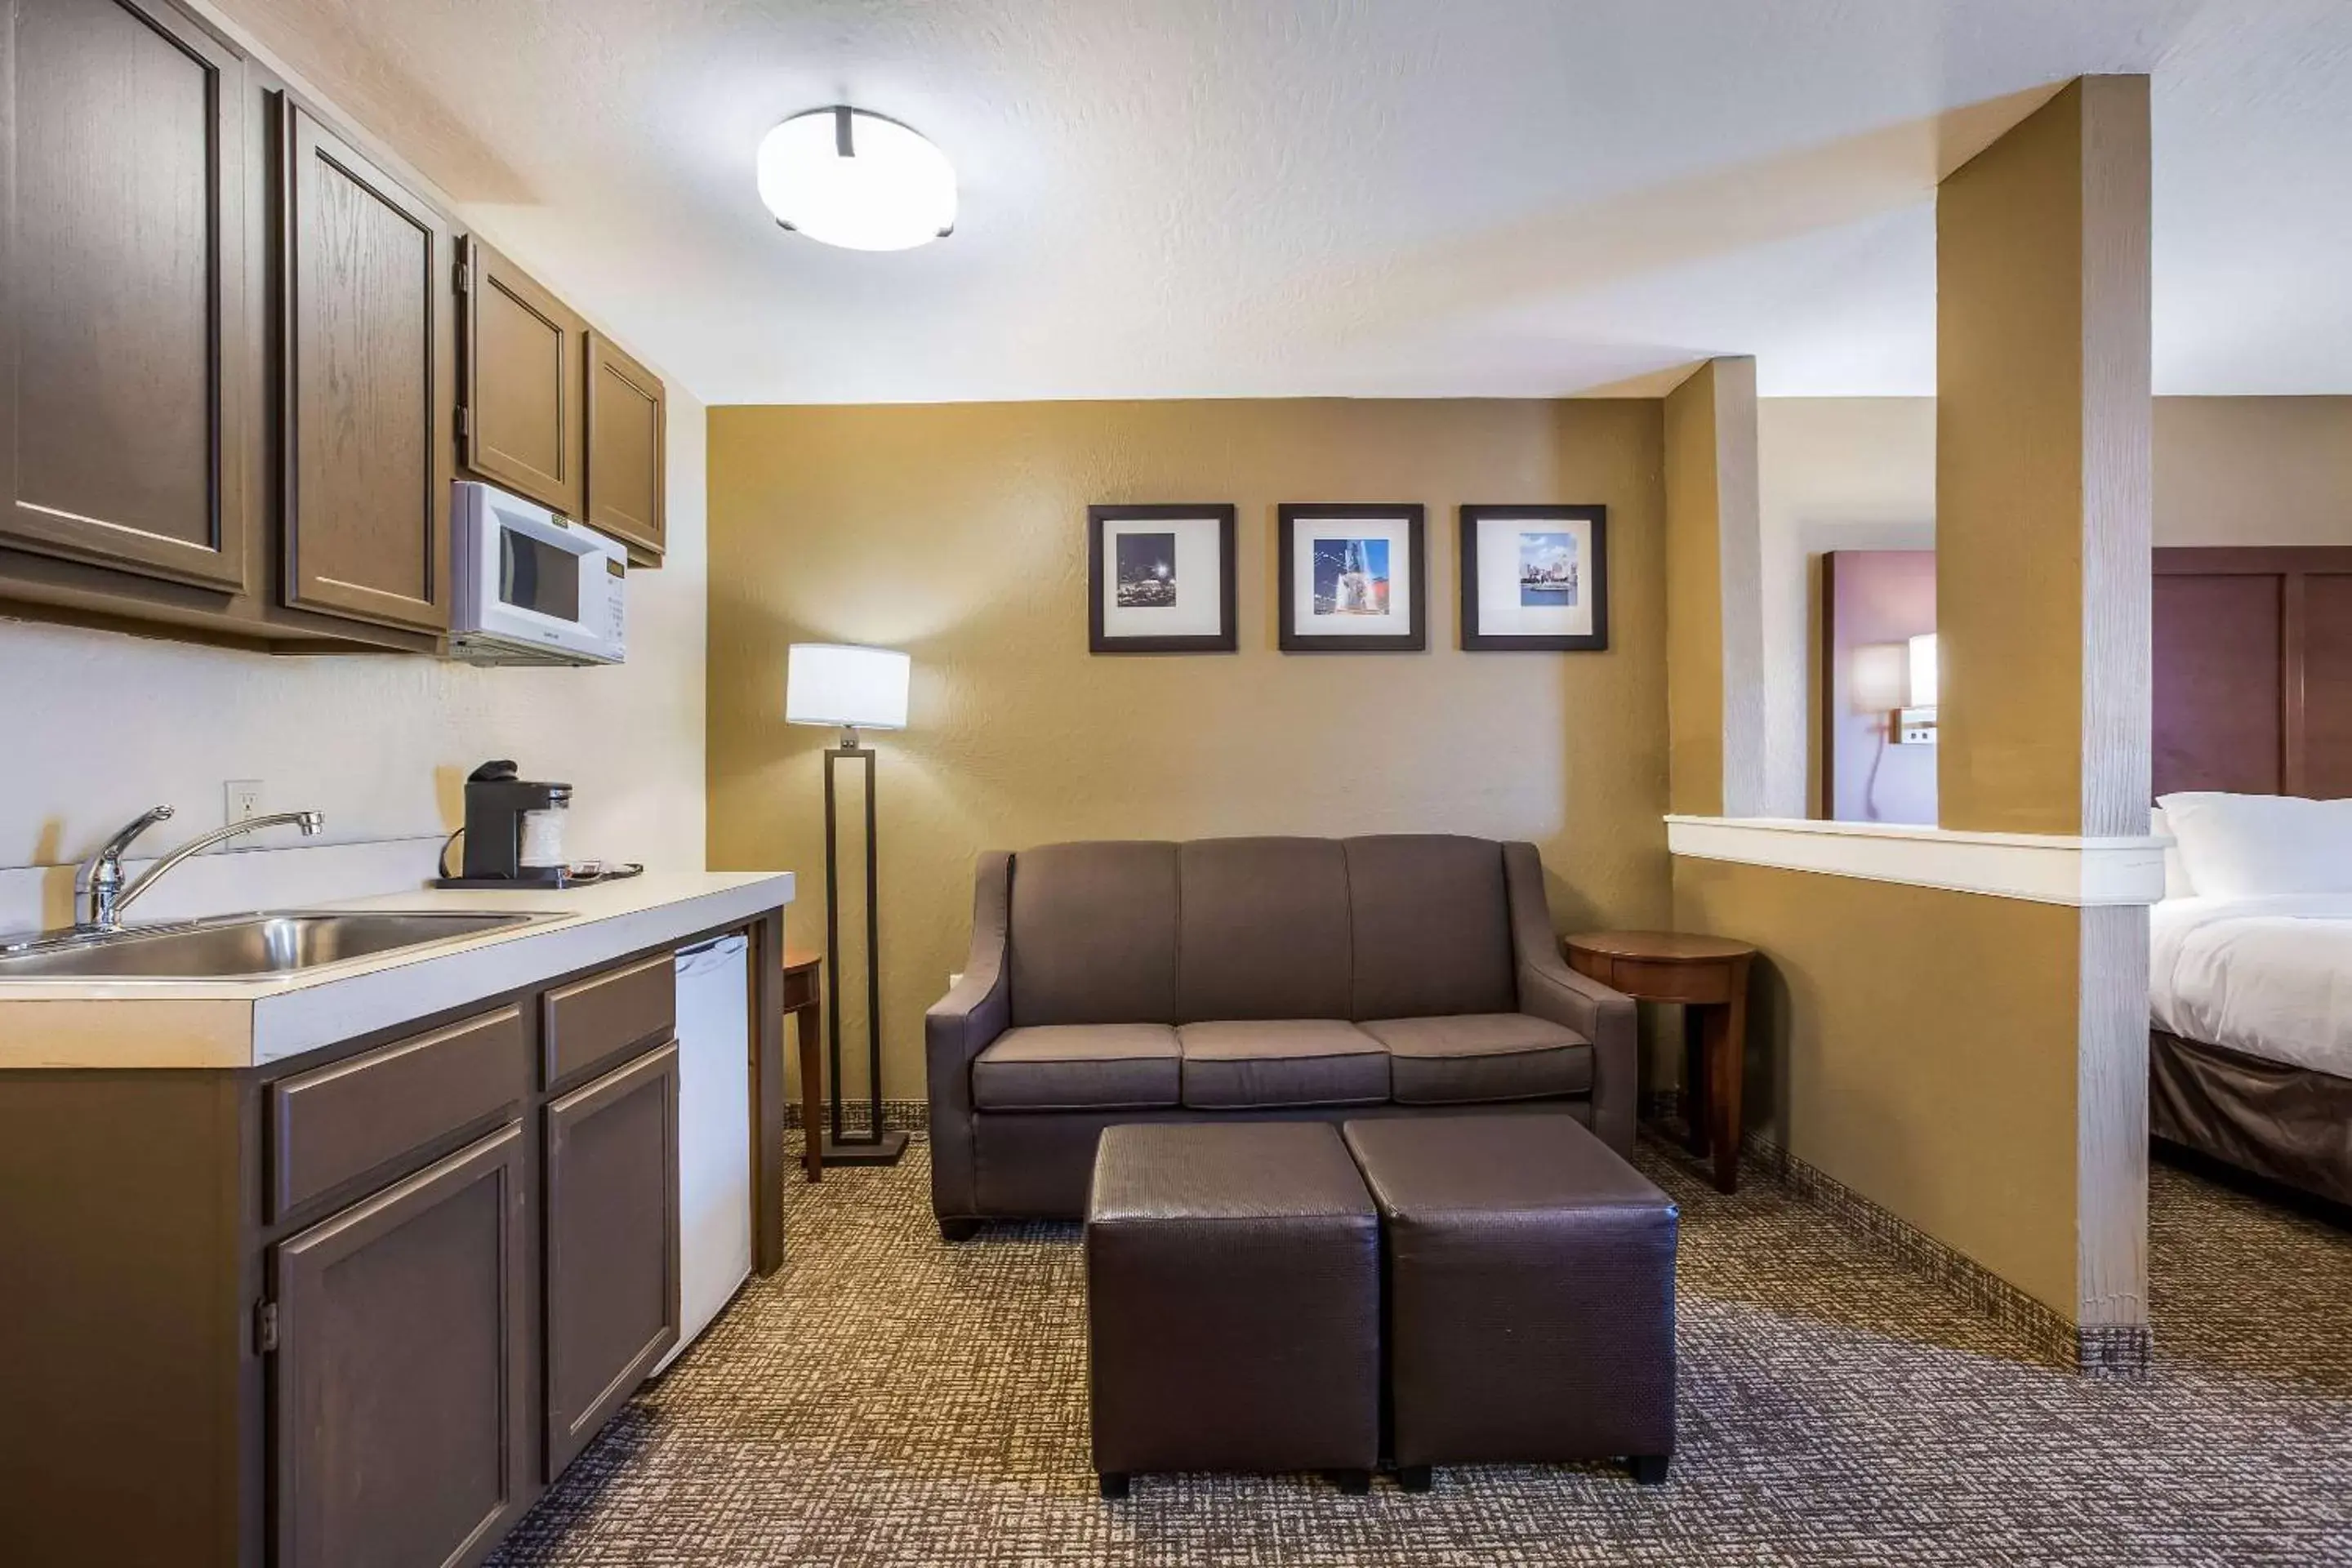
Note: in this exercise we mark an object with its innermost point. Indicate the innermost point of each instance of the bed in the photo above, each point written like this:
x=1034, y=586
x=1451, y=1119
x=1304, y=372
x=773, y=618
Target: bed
x=2250, y=1036
x=2250, y=1028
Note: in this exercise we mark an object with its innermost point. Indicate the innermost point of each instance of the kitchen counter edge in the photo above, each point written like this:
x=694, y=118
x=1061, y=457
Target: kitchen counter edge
x=230, y=1024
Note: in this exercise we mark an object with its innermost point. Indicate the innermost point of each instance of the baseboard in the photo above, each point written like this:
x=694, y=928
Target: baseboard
x=913, y=1115
x=2096, y=1351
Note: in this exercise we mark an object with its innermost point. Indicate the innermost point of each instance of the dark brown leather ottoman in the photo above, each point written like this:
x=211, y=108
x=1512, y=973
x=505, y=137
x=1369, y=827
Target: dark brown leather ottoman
x=1233, y=1302
x=1530, y=1294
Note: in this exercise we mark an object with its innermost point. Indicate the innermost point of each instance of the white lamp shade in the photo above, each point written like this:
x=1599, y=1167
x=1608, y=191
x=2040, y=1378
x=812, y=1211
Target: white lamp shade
x=1923, y=671
x=843, y=687
x=857, y=180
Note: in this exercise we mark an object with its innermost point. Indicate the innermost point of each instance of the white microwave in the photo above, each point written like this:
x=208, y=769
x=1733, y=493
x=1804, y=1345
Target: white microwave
x=532, y=587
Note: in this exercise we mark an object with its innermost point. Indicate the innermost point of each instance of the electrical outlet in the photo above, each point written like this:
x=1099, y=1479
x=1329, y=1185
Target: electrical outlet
x=240, y=802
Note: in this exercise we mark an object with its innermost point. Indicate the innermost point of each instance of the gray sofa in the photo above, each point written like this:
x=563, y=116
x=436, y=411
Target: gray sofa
x=1268, y=978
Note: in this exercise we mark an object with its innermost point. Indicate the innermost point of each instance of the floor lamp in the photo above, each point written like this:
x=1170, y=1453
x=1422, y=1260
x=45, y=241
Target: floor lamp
x=850, y=688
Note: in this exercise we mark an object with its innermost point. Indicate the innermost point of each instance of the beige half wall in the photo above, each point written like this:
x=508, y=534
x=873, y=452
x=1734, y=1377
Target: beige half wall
x=958, y=532
x=1918, y=1047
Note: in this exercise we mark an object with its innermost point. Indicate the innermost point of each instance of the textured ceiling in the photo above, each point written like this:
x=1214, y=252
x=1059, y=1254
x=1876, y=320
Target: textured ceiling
x=1372, y=198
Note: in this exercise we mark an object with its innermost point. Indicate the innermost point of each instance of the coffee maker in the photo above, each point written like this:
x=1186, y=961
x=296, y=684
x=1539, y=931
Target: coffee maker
x=514, y=831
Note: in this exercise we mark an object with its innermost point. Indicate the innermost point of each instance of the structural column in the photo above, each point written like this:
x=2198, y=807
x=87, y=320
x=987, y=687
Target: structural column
x=2043, y=487
x=1715, y=602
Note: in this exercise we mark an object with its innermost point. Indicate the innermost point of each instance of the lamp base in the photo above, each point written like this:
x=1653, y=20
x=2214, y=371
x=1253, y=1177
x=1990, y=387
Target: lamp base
x=882, y=1151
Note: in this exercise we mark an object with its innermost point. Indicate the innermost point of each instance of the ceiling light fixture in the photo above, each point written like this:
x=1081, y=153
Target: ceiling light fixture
x=855, y=179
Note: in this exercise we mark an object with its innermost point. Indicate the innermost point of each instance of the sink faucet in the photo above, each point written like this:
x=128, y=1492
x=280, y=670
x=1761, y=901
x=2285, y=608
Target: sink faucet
x=105, y=894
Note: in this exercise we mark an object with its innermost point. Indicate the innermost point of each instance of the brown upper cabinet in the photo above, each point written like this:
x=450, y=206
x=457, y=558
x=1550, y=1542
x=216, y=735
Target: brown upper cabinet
x=627, y=446
x=368, y=387
x=123, y=397
x=231, y=350
x=520, y=421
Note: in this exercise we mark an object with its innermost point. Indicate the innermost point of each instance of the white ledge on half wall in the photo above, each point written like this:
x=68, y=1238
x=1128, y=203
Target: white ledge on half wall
x=2044, y=868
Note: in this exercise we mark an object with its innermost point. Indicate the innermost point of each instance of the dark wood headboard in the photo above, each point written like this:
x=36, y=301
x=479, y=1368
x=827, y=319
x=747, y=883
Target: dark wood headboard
x=2253, y=670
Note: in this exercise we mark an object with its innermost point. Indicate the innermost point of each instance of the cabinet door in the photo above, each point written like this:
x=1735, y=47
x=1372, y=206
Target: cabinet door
x=369, y=388
x=612, y=1245
x=627, y=442
x=123, y=375
x=400, y=1382
x=523, y=423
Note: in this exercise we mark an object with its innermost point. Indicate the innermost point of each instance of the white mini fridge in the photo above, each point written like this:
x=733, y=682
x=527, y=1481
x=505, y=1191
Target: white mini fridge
x=714, y=1130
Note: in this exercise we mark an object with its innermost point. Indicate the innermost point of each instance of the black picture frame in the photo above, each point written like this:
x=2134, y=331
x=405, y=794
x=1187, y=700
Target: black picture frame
x=1594, y=641
x=1225, y=639
x=1412, y=515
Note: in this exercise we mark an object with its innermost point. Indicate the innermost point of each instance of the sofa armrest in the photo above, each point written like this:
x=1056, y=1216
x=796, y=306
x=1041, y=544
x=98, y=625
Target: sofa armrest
x=958, y=1027
x=1549, y=989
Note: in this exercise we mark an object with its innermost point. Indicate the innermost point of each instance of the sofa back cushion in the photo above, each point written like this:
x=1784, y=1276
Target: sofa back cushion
x=1093, y=934
x=1430, y=928
x=1262, y=929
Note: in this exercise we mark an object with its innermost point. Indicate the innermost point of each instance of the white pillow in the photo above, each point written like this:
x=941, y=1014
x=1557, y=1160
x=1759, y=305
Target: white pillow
x=2247, y=845
x=2177, y=883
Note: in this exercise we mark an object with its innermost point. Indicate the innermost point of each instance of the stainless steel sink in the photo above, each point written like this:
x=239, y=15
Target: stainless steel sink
x=243, y=947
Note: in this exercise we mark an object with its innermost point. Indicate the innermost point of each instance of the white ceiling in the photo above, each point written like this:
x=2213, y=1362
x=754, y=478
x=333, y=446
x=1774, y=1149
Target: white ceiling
x=1369, y=198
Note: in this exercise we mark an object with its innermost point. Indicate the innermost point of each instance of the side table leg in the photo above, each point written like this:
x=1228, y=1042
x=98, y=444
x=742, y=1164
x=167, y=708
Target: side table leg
x=1726, y=1049
x=1699, y=1065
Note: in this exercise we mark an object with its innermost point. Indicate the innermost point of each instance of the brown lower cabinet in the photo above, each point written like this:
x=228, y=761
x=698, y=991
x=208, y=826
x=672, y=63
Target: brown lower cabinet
x=611, y=1246
x=352, y=1309
x=400, y=1352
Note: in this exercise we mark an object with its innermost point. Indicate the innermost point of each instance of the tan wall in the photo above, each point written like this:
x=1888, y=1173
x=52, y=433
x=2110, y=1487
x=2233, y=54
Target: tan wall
x=958, y=532
x=1918, y=1047
x=2253, y=470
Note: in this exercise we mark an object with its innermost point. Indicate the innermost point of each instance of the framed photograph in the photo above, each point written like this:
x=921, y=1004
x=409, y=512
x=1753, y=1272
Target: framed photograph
x=1535, y=578
x=1160, y=579
x=1353, y=579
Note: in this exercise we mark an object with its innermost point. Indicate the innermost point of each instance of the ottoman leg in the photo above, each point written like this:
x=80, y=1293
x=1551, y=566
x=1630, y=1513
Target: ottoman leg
x=1355, y=1483
x=959, y=1229
x=1113, y=1484
x=1414, y=1477
x=1650, y=1470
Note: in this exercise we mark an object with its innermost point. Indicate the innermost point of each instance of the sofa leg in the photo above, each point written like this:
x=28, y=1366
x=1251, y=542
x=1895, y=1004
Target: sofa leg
x=959, y=1229
x=1355, y=1483
x=1650, y=1470
x=1415, y=1478
x=1113, y=1484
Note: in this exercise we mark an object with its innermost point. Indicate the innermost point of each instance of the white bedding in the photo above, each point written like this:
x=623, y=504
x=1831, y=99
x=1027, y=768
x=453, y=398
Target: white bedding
x=2268, y=976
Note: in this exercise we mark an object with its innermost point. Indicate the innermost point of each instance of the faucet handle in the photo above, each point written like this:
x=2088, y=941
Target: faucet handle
x=113, y=852
x=101, y=879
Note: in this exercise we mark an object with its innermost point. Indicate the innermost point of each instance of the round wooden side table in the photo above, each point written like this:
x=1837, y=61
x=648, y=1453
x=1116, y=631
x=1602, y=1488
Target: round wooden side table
x=804, y=996
x=1708, y=975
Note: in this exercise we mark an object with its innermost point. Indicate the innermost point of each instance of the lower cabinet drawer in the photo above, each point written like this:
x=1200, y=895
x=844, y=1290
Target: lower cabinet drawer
x=612, y=1228
x=402, y=1352
x=592, y=1022
x=342, y=1121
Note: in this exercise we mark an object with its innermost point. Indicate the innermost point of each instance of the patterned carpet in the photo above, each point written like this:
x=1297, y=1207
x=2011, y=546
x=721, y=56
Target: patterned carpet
x=888, y=1400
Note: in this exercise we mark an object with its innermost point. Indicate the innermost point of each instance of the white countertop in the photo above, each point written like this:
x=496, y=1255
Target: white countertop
x=116, y=1023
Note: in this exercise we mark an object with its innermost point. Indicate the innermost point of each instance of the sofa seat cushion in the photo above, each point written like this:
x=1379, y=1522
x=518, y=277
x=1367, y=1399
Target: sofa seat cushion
x=1233, y=1065
x=1464, y=1058
x=1078, y=1067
